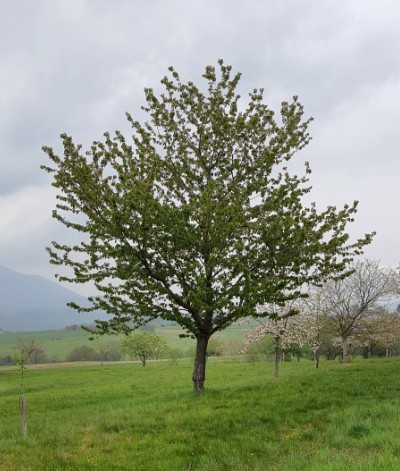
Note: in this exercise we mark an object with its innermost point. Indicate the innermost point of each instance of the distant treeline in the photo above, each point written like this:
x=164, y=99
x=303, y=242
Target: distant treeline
x=259, y=351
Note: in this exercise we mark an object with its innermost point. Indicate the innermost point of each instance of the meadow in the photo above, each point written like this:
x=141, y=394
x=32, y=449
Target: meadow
x=58, y=343
x=125, y=417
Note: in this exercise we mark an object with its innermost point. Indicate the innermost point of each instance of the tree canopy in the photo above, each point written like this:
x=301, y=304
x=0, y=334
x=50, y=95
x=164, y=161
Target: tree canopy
x=197, y=218
x=143, y=345
x=353, y=302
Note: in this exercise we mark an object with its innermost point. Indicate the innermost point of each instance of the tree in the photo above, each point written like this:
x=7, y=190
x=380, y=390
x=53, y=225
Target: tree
x=379, y=327
x=262, y=346
x=34, y=352
x=285, y=326
x=20, y=357
x=174, y=354
x=198, y=219
x=143, y=345
x=351, y=300
x=315, y=320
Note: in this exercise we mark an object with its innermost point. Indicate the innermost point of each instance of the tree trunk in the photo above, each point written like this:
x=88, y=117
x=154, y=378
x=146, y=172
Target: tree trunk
x=277, y=354
x=199, y=371
x=345, y=352
x=22, y=407
x=387, y=352
x=143, y=358
x=316, y=357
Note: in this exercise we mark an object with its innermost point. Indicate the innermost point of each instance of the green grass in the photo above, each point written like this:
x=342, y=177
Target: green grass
x=126, y=417
x=58, y=343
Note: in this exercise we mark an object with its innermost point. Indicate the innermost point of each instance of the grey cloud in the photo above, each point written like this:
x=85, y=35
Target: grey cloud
x=78, y=66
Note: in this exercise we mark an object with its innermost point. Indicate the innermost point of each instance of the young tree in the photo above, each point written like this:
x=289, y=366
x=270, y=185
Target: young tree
x=312, y=325
x=198, y=219
x=173, y=353
x=143, y=345
x=315, y=320
x=284, y=325
x=20, y=359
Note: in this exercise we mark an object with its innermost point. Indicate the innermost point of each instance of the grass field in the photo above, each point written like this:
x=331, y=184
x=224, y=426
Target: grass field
x=58, y=343
x=126, y=417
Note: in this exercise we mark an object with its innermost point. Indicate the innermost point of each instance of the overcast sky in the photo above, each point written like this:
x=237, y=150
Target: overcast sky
x=77, y=66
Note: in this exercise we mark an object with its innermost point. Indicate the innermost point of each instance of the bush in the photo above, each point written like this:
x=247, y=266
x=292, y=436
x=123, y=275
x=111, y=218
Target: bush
x=111, y=351
x=232, y=347
x=264, y=346
x=83, y=353
x=173, y=353
x=7, y=360
x=214, y=348
x=72, y=328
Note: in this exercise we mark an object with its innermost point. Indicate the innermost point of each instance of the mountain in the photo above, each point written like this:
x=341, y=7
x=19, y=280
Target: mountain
x=31, y=302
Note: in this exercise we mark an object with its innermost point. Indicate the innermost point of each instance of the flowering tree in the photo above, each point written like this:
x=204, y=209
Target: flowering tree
x=315, y=309
x=312, y=325
x=347, y=346
x=349, y=301
x=285, y=325
x=380, y=327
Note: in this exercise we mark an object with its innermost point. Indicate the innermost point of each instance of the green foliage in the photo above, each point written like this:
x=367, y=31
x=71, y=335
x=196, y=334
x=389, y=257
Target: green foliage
x=20, y=359
x=231, y=346
x=342, y=417
x=173, y=354
x=111, y=351
x=143, y=345
x=214, y=348
x=198, y=219
x=83, y=353
x=7, y=360
x=72, y=327
x=265, y=346
x=58, y=343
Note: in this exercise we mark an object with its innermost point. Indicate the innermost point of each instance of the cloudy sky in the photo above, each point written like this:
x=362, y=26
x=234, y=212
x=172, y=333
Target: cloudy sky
x=77, y=66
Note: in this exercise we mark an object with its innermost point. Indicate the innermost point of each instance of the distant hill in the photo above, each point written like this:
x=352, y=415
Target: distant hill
x=31, y=302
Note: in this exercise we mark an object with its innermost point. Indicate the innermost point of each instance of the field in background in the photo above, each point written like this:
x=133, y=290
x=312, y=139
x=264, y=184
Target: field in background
x=58, y=343
x=125, y=417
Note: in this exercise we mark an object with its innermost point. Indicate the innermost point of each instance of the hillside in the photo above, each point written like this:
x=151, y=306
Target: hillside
x=31, y=302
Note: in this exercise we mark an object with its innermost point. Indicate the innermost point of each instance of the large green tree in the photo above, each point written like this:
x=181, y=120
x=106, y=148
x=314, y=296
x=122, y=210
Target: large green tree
x=196, y=218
